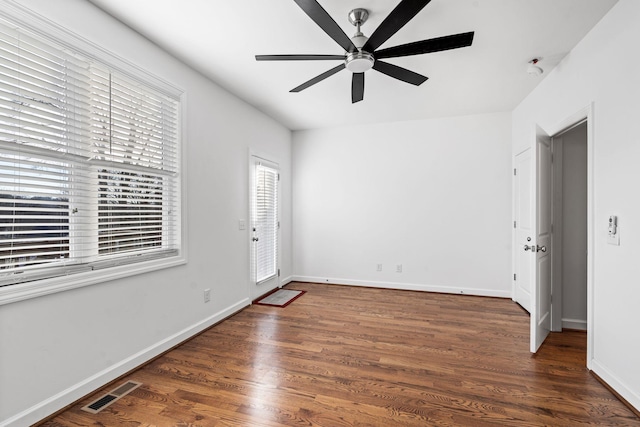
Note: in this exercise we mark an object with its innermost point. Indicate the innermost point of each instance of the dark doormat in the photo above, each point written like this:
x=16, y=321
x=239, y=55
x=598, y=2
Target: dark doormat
x=280, y=298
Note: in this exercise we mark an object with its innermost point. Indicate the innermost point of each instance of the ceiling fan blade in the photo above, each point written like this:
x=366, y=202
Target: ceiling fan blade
x=399, y=73
x=319, y=78
x=397, y=19
x=427, y=46
x=357, y=87
x=297, y=57
x=328, y=25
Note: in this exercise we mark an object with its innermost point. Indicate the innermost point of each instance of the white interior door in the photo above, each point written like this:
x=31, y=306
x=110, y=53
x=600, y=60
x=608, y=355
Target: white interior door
x=264, y=226
x=540, y=249
x=523, y=198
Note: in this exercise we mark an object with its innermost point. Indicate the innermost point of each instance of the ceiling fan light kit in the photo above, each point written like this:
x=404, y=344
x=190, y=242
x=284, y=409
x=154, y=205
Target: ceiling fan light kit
x=359, y=62
x=360, y=52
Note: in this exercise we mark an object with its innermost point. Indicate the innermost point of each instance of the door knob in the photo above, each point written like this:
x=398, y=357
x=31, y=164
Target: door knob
x=529, y=248
x=541, y=248
x=255, y=239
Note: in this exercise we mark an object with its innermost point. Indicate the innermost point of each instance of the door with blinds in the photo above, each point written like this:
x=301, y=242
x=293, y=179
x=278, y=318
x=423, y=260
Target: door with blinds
x=264, y=225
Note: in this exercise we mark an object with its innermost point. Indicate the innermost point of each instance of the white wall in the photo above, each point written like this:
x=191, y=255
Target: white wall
x=432, y=195
x=57, y=348
x=604, y=70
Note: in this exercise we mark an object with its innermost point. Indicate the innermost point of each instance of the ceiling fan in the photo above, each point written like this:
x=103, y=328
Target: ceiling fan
x=360, y=51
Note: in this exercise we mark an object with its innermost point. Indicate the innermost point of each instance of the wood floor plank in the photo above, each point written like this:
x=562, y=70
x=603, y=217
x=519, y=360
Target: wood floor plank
x=350, y=356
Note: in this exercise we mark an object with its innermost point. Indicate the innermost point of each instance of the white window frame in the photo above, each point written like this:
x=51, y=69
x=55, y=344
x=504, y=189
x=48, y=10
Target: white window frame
x=37, y=25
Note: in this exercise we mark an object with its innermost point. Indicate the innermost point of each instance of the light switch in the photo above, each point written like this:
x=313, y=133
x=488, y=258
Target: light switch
x=242, y=225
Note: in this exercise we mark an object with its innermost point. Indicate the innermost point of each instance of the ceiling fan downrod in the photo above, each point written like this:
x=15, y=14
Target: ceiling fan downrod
x=358, y=17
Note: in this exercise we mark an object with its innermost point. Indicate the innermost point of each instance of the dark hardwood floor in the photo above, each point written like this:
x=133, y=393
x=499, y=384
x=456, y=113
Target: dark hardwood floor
x=347, y=356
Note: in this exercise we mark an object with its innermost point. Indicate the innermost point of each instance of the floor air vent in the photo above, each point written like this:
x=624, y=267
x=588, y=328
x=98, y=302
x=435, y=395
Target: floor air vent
x=115, y=394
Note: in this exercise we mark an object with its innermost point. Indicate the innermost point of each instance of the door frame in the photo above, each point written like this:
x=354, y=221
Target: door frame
x=583, y=115
x=557, y=151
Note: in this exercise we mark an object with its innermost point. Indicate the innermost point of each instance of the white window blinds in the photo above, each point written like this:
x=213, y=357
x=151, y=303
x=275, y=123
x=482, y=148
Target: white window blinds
x=134, y=136
x=266, y=222
x=88, y=163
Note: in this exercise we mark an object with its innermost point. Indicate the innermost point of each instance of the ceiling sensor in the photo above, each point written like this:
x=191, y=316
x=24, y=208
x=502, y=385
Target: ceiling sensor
x=533, y=68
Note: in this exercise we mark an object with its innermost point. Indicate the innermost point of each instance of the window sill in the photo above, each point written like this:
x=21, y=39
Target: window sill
x=24, y=291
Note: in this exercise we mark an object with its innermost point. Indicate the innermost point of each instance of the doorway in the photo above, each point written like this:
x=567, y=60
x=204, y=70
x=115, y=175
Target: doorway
x=541, y=198
x=569, y=234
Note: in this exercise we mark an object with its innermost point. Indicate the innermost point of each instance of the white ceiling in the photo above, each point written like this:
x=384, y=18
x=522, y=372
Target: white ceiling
x=221, y=37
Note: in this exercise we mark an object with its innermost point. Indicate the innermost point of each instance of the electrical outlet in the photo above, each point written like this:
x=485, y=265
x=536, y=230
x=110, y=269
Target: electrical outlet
x=379, y=267
x=207, y=295
x=399, y=268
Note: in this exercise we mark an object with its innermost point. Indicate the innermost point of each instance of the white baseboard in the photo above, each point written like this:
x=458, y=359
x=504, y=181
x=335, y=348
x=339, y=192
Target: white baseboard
x=406, y=286
x=615, y=383
x=578, y=324
x=66, y=397
x=286, y=281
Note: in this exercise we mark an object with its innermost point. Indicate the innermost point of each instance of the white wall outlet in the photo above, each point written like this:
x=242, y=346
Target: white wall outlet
x=242, y=224
x=207, y=295
x=399, y=268
x=379, y=267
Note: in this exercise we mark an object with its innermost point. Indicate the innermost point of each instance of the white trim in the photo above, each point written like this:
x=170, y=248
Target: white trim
x=23, y=291
x=183, y=229
x=557, y=191
x=286, y=281
x=514, y=265
x=405, y=286
x=617, y=384
x=574, y=324
x=66, y=397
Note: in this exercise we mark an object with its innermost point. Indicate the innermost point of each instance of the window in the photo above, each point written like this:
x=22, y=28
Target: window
x=89, y=162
